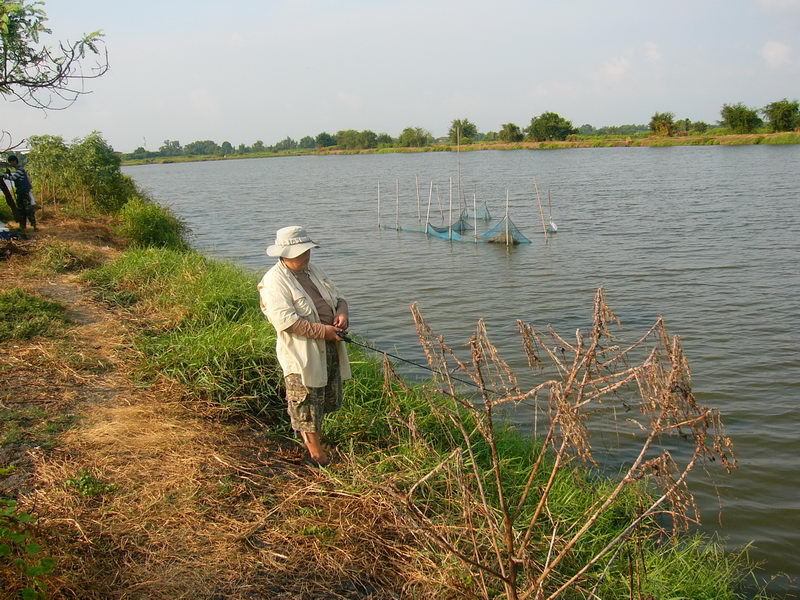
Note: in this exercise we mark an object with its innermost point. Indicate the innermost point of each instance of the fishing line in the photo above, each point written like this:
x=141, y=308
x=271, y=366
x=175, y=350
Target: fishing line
x=344, y=337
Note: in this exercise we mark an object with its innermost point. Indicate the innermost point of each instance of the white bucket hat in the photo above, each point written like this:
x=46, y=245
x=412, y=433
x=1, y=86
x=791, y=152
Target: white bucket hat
x=291, y=242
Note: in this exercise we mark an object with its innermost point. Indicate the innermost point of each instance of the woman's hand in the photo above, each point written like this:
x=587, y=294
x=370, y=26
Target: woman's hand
x=341, y=321
x=332, y=333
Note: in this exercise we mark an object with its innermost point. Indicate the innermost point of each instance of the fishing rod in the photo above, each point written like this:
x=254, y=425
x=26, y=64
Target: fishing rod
x=346, y=338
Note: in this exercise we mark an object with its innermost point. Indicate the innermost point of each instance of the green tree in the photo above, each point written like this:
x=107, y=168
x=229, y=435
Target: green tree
x=170, y=148
x=464, y=129
x=699, y=126
x=490, y=136
x=41, y=76
x=662, y=123
x=783, y=115
x=324, y=140
x=739, y=118
x=510, y=133
x=347, y=139
x=201, y=148
x=367, y=139
x=95, y=174
x=258, y=146
x=414, y=137
x=285, y=144
x=385, y=140
x=49, y=167
x=549, y=126
x=307, y=142
x=226, y=148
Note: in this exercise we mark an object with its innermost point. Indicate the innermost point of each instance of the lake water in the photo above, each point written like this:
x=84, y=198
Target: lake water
x=707, y=236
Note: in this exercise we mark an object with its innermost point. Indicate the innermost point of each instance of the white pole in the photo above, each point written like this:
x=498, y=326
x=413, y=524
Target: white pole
x=416, y=180
x=439, y=202
x=397, y=197
x=475, y=214
x=458, y=163
x=379, y=204
x=450, y=214
x=541, y=211
x=507, y=240
x=428, y=215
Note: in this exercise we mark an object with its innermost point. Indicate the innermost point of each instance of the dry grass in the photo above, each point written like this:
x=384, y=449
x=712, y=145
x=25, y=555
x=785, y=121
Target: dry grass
x=187, y=503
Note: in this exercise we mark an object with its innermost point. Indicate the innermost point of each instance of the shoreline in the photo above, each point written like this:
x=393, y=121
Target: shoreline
x=747, y=139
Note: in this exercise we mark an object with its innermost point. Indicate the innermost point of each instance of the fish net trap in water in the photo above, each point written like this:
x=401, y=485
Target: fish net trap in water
x=504, y=232
x=483, y=213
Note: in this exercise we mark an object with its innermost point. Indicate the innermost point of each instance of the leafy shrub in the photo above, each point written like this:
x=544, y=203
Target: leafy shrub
x=20, y=553
x=147, y=224
x=83, y=174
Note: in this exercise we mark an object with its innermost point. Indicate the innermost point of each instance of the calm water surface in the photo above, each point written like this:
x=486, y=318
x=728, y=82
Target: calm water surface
x=706, y=236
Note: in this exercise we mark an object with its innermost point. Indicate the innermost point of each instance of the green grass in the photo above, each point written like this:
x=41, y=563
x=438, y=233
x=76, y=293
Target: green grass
x=63, y=257
x=216, y=341
x=147, y=224
x=89, y=485
x=5, y=212
x=789, y=137
x=23, y=316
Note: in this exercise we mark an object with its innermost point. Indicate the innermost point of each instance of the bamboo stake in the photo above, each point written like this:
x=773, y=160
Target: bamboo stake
x=458, y=163
x=475, y=214
x=450, y=214
x=439, y=202
x=428, y=216
x=541, y=211
x=416, y=181
x=507, y=240
x=379, y=204
x=397, y=197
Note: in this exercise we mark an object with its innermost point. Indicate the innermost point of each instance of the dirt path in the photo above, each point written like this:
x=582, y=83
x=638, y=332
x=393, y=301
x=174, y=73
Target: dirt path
x=144, y=492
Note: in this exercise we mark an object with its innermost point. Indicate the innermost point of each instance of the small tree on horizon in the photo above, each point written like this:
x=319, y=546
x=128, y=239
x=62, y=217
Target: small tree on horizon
x=783, y=115
x=414, y=137
x=549, y=126
x=510, y=133
x=663, y=123
x=462, y=130
x=739, y=118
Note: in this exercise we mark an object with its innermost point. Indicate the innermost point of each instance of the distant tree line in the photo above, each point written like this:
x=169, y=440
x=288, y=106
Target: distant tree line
x=782, y=115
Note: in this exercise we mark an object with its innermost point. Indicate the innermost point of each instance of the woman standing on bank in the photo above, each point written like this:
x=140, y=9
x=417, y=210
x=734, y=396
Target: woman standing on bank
x=308, y=313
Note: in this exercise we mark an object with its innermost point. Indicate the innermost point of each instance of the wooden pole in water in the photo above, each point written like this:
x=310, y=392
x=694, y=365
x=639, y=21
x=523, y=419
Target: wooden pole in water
x=450, y=213
x=541, y=211
x=428, y=216
x=416, y=181
x=439, y=202
x=397, y=197
x=379, y=204
x=475, y=214
x=508, y=242
x=549, y=206
x=458, y=164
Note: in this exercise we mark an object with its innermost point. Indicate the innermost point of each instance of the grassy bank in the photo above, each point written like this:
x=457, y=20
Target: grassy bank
x=417, y=505
x=617, y=141
x=212, y=337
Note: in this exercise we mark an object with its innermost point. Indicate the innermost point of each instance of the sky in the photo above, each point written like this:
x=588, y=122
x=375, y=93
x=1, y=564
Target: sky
x=252, y=70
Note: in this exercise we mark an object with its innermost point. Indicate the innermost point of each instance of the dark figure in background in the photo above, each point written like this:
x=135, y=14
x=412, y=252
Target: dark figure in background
x=25, y=205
